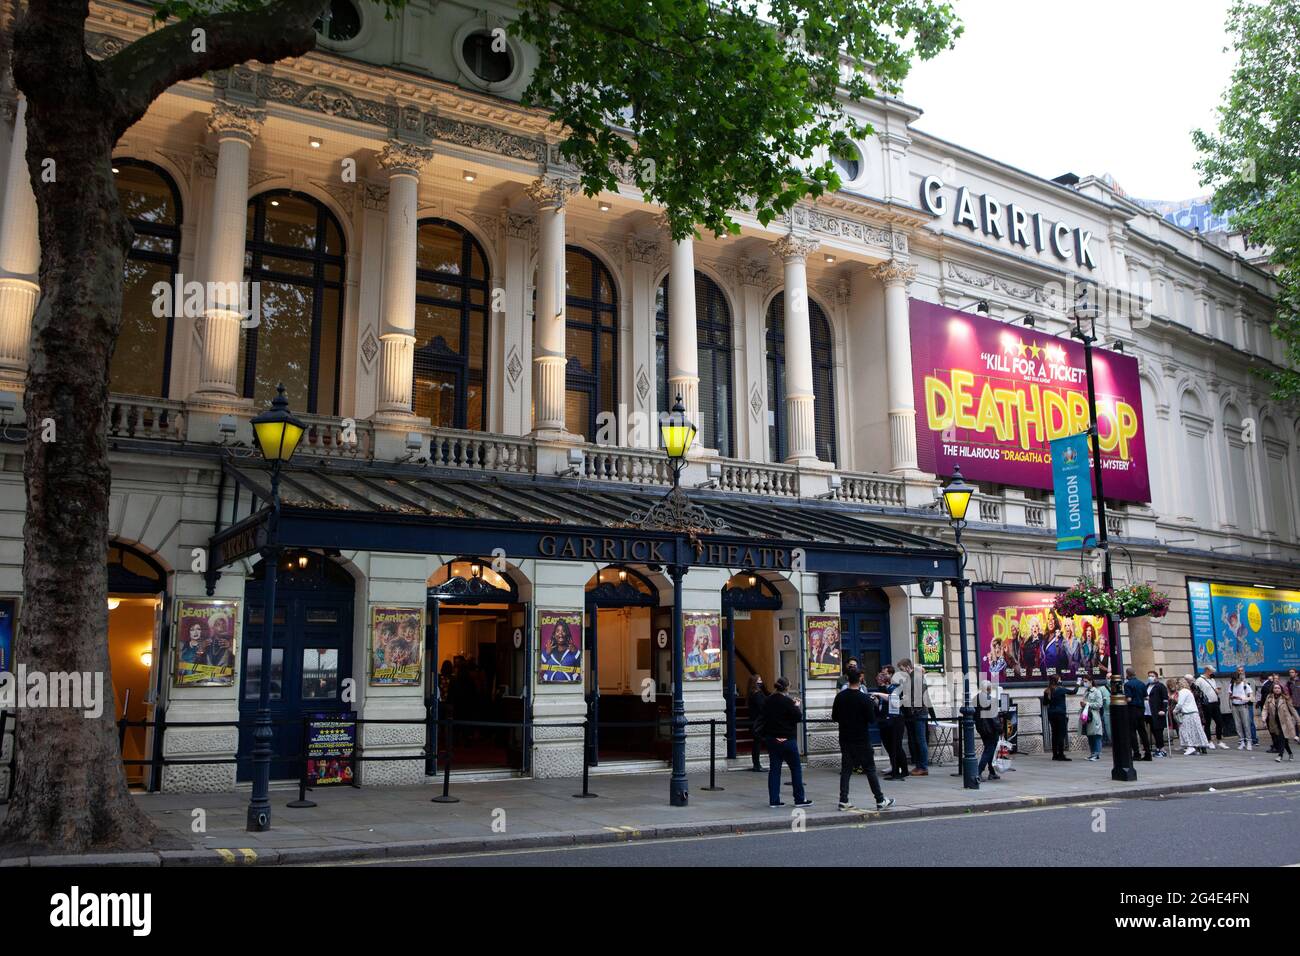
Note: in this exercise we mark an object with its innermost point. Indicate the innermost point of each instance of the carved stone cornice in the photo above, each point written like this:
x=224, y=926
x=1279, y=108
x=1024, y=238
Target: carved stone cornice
x=747, y=272
x=518, y=226
x=551, y=192
x=790, y=248
x=647, y=251
x=234, y=120
x=404, y=159
x=374, y=196
x=204, y=162
x=987, y=280
x=895, y=272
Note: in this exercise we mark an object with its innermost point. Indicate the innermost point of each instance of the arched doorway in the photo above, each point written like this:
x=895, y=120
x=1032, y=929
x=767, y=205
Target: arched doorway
x=479, y=645
x=311, y=654
x=630, y=669
x=750, y=604
x=136, y=587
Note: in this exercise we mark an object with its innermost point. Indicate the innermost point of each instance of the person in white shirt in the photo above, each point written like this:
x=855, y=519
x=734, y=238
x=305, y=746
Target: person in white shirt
x=1190, y=732
x=1241, y=695
x=1213, y=713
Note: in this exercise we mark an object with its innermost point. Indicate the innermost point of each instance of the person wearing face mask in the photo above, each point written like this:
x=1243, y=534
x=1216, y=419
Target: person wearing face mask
x=1158, y=704
x=755, y=697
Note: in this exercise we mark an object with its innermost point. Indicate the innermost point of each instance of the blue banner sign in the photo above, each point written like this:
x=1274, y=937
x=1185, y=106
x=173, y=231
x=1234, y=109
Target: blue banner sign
x=1072, y=484
x=1255, y=627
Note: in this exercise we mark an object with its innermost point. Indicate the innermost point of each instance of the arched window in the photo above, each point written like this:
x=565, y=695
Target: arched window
x=823, y=361
x=451, y=326
x=713, y=332
x=142, y=356
x=591, y=342
x=294, y=252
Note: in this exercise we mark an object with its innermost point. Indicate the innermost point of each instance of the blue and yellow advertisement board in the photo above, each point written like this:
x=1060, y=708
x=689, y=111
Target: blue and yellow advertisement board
x=1244, y=624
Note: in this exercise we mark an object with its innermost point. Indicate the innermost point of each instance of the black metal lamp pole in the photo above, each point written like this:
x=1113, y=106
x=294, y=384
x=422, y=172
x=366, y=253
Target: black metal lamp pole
x=677, y=787
x=1121, y=734
x=969, y=765
x=259, y=805
x=277, y=433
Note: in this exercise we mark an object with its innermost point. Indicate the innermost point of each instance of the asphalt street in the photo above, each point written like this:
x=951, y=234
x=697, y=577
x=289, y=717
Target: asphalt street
x=1254, y=827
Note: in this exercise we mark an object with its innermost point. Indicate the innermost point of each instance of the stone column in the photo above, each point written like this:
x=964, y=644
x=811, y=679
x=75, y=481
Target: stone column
x=895, y=276
x=235, y=127
x=549, y=354
x=801, y=425
x=683, y=351
x=20, y=257
x=397, y=319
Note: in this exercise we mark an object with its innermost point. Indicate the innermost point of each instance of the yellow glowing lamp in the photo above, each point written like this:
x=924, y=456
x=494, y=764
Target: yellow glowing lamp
x=677, y=431
x=277, y=431
x=956, y=496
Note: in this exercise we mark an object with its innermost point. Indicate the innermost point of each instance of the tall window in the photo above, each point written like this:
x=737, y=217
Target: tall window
x=713, y=331
x=823, y=361
x=591, y=342
x=142, y=357
x=451, y=326
x=294, y=251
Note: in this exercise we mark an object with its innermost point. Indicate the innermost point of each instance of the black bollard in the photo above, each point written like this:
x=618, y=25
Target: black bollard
x=586, y=762
x=713, y=763
x=446, y=796
x=302, y=802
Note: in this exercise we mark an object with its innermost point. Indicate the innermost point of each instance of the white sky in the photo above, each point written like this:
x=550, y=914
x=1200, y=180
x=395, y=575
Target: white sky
x=1102, y=86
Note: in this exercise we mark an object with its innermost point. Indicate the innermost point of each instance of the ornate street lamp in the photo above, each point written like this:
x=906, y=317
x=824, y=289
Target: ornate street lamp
x=1085, y=314
x=678, y=434
x=278, y=434
x=956, y=500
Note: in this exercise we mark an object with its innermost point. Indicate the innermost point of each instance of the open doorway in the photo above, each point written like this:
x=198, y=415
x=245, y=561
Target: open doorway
x=136, y=586
x=479, y=644
x=628, y=682
x=750, y=604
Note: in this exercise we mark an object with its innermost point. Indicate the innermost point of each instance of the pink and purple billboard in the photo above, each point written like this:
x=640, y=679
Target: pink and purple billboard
x=991, y=396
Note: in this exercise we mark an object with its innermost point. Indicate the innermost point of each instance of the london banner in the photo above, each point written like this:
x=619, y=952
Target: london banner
x=703, y=634
x=560, y=647
x=1022, y=640
x=1244, y=625
x=396, y=645
x=8, y=622
x=822, y=637
x=1072, y=485
x=205, y=642
x=991, y=396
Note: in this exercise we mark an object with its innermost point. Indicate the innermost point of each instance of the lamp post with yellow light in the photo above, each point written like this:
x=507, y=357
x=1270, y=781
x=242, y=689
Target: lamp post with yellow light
x=278, y=434
x=678, y=434
x=956, y=500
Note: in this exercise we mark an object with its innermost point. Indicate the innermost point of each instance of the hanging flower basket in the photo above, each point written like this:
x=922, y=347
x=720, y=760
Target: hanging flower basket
x=1087, y=597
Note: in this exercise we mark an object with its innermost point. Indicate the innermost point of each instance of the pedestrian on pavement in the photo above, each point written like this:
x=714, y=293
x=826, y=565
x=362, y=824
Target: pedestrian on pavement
x=1293, y=687
x=855, y=712
x=1191, y=732
x=755, y=697
x=1158, y=703
x=1094, y=705
x=1240, y=694
x=842, y=681
x=916, y=707
x=1103, y=680
x=781, y=717
x=892, y=737
x=989, y=727
x=1057, y=717
x=1282, y=720
x=1212, y=708
x=1136, y=693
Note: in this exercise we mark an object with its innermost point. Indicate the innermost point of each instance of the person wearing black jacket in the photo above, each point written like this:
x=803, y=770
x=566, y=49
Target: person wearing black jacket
x=989, y=726
x=1158, y=703
x=855, y=712
x=781, y=717
x=755, y=698
x=1136, y=693
x=1057, y=717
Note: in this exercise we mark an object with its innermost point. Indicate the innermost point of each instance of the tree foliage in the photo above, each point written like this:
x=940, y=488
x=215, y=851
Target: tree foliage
x=1253, y=159
x=718, y=105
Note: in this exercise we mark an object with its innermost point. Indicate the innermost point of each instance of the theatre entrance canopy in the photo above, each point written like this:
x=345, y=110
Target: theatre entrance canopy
x=346, y=506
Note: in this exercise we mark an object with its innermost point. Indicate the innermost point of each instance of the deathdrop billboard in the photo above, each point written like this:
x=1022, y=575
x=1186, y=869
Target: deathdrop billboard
x=991, y=397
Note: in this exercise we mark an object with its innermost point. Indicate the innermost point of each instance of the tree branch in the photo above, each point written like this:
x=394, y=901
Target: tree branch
x=140, y=73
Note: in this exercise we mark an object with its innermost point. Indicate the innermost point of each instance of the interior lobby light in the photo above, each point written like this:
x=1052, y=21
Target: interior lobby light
x=114, y=603
x=469, y=175
x=146, y=658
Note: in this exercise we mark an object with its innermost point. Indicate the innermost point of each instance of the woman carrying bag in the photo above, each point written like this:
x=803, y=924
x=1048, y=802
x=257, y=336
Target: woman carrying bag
x=1282, y=720
x=1090, y=715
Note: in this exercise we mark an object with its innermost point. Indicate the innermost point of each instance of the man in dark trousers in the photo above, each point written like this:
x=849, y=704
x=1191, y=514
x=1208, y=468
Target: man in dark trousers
x=1158, y=701
x=855, y=711
x=781, y=718
x=1136, y=693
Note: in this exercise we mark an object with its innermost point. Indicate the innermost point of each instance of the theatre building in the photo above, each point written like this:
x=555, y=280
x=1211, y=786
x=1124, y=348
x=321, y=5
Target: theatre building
x=475, y=525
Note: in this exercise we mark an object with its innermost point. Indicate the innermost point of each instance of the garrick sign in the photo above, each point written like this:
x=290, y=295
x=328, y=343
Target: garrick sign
x=650, y=551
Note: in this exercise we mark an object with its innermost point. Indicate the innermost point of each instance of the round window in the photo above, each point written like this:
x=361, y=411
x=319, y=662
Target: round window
x=344, y=21
x=488, y=56
x=849, y=165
